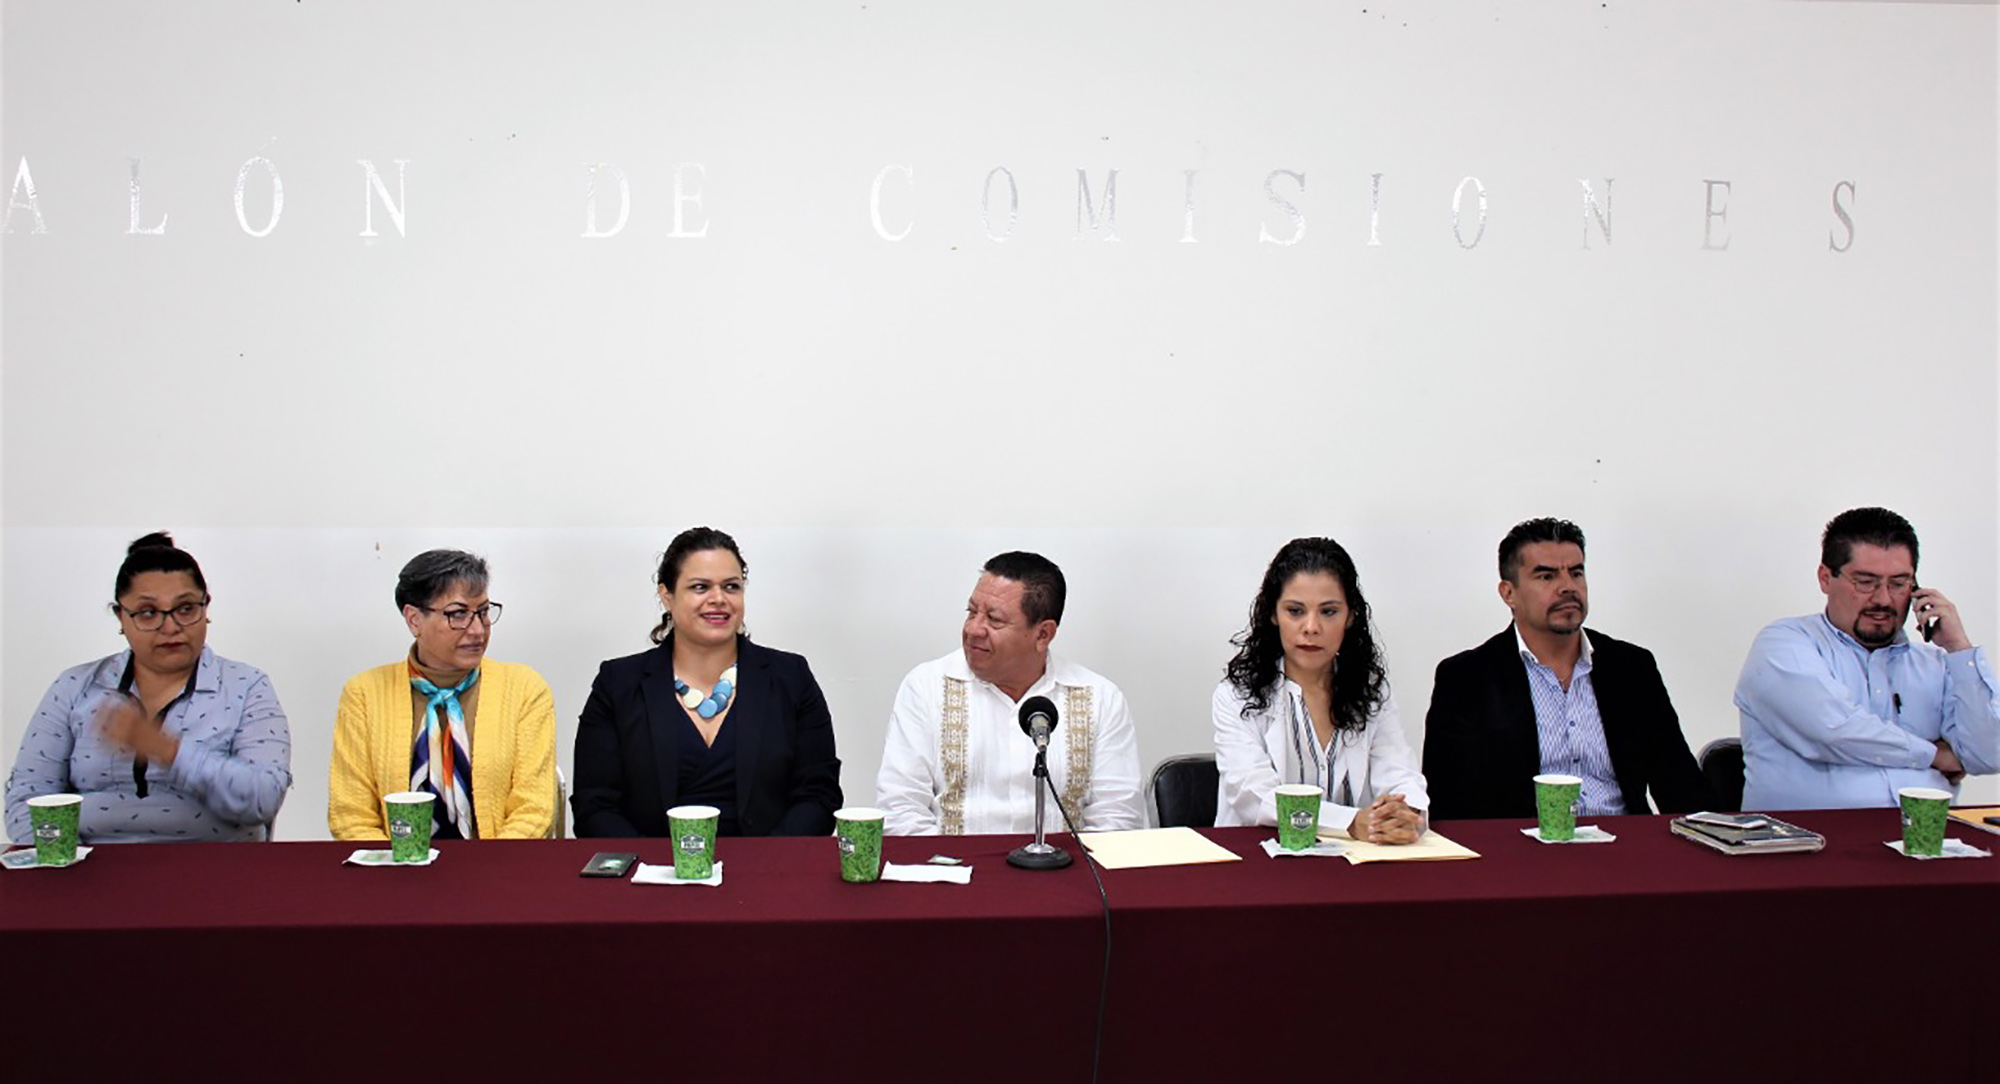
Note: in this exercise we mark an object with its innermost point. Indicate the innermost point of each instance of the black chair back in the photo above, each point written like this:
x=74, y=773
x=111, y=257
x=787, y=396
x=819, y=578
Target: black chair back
x=1722, y=763
x=1184, y=791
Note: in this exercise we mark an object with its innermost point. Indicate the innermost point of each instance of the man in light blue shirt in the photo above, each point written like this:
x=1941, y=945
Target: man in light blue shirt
x=1841, y=709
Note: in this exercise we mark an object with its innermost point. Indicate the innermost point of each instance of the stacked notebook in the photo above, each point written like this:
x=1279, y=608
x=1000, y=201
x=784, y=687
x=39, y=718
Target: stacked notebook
x=1746, y=833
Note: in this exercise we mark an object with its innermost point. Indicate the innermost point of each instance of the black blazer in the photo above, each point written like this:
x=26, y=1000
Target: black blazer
x=628, y=758
x=1482, y=750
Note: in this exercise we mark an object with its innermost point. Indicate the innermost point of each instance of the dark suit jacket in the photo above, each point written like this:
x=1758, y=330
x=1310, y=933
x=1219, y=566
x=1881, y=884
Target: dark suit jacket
x=1482, y=750
x=628, y=757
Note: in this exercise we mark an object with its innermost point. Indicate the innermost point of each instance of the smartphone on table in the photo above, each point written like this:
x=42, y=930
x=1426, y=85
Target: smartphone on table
x=609, y=864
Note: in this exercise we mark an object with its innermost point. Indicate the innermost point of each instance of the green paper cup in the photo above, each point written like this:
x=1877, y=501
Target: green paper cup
x=1556, y=797
x=1924, y=810
x=409, y=813
x=1298, y=816
x=693, y=830
x=858, y=831
x=54, y=818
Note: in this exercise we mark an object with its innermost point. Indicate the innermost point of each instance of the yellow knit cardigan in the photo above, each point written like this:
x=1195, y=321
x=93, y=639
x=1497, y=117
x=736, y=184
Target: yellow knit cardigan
x=513, y=752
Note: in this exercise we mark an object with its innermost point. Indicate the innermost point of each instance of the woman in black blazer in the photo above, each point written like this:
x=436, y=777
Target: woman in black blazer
x=705, y=717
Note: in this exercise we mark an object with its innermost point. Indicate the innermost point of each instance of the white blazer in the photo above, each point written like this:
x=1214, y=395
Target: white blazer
x=1254, y=755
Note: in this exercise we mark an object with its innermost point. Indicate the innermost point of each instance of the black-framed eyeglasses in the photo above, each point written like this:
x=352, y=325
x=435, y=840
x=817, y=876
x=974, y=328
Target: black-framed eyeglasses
x=488, y=615
x=149, y=619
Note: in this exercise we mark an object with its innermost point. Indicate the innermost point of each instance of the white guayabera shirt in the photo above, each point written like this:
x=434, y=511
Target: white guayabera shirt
x=957, y=763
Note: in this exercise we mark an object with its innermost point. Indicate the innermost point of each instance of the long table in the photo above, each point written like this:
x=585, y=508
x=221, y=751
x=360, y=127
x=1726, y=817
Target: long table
x=1648, y=958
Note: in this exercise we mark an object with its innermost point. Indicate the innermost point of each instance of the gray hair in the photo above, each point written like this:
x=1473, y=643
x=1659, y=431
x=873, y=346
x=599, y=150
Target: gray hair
x=433, y=572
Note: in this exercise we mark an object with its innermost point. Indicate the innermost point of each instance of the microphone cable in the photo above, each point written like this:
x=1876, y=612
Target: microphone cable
x=1104, y=901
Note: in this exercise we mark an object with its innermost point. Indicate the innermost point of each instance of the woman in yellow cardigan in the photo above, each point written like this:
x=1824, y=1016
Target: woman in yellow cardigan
x=479, y=734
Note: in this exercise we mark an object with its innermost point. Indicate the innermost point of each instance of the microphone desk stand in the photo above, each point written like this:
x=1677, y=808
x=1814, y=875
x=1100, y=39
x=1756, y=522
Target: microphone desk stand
x=1040, y=854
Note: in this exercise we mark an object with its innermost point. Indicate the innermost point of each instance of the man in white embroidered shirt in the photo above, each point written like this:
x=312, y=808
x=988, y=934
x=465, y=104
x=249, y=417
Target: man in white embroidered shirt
x=956, y=761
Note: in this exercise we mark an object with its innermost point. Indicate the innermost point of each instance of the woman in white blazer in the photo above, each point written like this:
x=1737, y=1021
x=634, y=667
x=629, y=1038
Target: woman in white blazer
x=1306, y=700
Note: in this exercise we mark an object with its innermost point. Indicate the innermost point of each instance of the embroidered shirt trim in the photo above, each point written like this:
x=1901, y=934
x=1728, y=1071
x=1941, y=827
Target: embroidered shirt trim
x=1080, y=719
x=951, y=755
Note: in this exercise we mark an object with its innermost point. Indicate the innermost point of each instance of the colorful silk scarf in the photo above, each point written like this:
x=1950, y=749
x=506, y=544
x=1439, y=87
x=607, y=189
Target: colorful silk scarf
x=440, y=762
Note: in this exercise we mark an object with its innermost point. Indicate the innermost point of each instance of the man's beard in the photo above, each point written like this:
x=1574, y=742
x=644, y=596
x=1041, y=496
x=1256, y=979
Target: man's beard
x=1887, y=637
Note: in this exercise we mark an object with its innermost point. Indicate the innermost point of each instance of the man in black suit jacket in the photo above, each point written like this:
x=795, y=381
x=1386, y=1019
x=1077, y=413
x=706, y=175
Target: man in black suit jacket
x=1483, y=737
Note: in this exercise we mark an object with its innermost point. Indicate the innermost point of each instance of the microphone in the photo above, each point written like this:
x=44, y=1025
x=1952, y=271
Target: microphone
x=1038, y=719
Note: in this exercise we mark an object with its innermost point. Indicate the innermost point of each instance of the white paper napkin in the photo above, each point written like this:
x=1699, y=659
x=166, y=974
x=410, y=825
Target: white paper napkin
x=1585, y=833
x=25, y=858
x=385, y=857
x=927, y=874
x=1325, y=848
x=664, y=875
x=1952, y=849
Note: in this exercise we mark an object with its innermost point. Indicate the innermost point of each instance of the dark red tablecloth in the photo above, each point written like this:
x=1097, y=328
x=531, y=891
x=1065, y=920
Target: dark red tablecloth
x=1648, y=958
x=278, y=956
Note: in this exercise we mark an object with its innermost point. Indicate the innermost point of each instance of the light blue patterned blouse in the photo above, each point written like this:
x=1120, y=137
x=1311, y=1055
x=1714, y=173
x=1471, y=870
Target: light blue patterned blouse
x=226, y=782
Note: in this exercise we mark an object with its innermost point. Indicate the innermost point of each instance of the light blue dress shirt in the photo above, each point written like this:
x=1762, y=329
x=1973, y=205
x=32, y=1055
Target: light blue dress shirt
x=226, y=782
x=1571, y=731
x=1829, y=724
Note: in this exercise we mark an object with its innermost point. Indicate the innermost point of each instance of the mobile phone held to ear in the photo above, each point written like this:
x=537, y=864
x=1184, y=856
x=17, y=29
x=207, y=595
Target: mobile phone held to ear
x=1926, y=626
x=609, y=864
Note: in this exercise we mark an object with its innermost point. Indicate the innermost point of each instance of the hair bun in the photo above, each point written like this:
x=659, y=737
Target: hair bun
x=156, y=540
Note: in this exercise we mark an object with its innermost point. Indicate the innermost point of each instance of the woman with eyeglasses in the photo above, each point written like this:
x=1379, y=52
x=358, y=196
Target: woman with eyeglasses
x=478, y=734
x=706, y=716
x=165, y=740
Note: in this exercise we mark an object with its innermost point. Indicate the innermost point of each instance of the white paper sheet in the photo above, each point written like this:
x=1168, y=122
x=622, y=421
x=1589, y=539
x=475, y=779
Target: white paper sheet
x=927, y=874
x=1585, y=833
x=1325, y=848
x=384, y=857
x=25, y=859
x=1952, y=849
x=664, y=875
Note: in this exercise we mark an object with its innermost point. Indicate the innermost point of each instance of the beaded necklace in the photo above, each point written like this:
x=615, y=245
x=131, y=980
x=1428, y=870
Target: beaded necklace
x=712, y=705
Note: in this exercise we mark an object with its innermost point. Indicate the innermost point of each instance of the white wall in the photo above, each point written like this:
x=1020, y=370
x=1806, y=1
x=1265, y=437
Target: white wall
x=872, y=418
